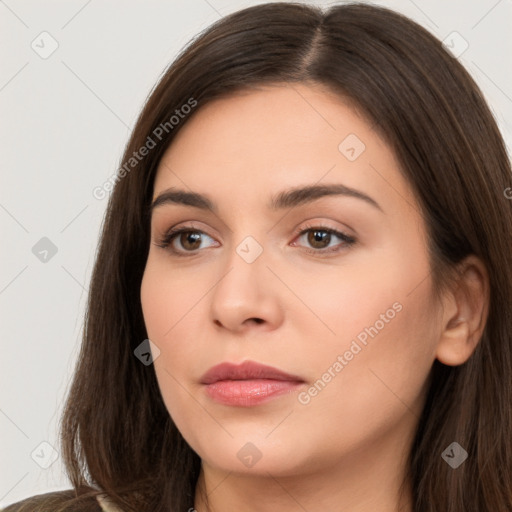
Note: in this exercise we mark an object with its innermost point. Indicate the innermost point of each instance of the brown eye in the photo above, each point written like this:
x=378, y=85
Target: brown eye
x=319, y=239
x=190, y=240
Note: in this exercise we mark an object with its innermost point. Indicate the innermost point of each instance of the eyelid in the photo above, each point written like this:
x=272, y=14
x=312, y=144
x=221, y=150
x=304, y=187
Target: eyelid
x=320, y=225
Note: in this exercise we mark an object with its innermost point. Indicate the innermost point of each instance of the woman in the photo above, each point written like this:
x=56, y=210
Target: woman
x=302, y=294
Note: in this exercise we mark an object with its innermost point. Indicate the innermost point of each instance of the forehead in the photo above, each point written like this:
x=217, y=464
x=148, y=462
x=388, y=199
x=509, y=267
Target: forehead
x=264, y=139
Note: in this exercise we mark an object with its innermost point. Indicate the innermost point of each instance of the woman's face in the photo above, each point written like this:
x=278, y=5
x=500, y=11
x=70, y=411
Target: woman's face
x=351, y=317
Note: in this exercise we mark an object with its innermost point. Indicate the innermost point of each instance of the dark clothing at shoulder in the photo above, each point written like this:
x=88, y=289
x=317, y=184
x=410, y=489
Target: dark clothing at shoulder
x=49, y=501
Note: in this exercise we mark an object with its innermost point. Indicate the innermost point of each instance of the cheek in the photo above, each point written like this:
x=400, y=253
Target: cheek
x=168, y=308
x=384, y=328
x=157, y=303
x=381, y=356
x=167, y=297
x=174, y=306
x=169, y=305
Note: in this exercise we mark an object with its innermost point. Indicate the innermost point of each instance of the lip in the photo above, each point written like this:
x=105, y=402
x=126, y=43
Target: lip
x=247, y=384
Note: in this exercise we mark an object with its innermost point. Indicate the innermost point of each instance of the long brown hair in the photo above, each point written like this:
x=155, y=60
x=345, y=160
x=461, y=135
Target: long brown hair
x=118, y=437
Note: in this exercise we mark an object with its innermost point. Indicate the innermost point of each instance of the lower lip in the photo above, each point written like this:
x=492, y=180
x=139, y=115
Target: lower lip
x=246, y=393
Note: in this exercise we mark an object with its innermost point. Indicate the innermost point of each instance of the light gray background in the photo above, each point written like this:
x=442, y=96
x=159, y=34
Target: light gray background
x=65, y=120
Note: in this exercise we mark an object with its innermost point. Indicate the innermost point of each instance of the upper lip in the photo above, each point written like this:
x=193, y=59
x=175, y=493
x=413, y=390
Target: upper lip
x=247, y=370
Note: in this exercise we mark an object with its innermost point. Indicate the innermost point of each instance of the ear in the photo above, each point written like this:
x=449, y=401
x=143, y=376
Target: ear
x=465, y=311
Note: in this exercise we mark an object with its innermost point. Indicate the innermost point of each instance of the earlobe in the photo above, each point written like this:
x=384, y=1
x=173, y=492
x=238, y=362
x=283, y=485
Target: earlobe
x=465, y=312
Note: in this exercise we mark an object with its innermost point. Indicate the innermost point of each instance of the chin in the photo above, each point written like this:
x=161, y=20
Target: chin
x=251, y=452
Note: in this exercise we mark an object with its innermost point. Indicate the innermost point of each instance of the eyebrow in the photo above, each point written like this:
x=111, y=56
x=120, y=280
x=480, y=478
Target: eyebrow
x=285, y=199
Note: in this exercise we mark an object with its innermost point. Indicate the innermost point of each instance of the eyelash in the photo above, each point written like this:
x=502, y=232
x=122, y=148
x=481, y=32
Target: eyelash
x=166, y=241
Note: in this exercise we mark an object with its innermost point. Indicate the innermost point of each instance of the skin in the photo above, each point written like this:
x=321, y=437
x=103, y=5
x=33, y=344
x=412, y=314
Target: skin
x=348, y=444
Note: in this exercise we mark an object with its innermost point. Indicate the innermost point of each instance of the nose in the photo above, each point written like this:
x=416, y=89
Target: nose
x=247, y=295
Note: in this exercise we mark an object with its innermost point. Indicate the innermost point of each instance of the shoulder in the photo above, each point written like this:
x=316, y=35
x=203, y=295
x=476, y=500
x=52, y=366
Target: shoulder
x=57, y=500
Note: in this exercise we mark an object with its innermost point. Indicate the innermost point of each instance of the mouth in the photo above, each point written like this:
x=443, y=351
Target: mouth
x=248, y=384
